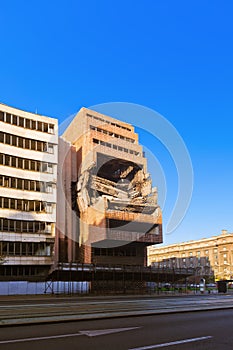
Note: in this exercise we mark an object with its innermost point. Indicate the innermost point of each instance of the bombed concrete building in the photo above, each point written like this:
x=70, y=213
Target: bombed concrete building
x=107, y=209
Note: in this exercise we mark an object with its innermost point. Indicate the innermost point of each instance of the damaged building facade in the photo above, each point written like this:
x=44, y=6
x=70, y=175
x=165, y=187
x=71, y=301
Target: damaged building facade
x=107, y=209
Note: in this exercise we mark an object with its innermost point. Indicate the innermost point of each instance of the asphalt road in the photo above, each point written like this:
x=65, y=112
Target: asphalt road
x=181, y=331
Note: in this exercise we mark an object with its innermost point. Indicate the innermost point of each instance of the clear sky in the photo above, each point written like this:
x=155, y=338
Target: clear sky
x=175, y=57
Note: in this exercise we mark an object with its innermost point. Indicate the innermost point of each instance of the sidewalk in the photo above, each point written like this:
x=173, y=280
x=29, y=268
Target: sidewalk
x=16, y=310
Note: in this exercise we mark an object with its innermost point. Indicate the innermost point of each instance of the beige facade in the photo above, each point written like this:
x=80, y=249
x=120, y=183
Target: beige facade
x=28, y=176
x=204, y=255
x=109, y=211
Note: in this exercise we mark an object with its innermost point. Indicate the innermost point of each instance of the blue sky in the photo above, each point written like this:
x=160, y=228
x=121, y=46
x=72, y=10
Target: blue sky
x=175, y=57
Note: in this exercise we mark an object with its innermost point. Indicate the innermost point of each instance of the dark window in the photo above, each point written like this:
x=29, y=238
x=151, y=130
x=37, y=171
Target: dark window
x=11, y=248
x=25, y=227
x=19, y=204
x=31, y=205
x=51, y=128
x=14, y=271
x=14, y=140
x=21, y=122
x=7, y=160
x=45, y=127
x=39, y=126
x=37, y=227
x=37, y=206
x=6, y=181
x=8, y=139
x=26, y=205
x=23, y=248
x=8, y=118
x=5, y=225
x=4, y=248
x=45, y=147
x=1, y=116
x=26, y=184
x=28, y=123
x=20, y=184
x=13, y=182
x=20, y=270
x=38, y=166
x=20, y=163
x=17, y=248
x=13, y=161
x=33, y=165
x=29, y=249
x=18, y=226
x=20, y=142
x=103, y=251
x=37, y=186
x=6, y=203
x=30, y=225
x=32, y=185
x=12, y=202
x=27, y=270
x=39, y=146
x=36, y=249
x=26, y=164
x=33, y=125
x=33, y=145
x=27, y=143
x=15, y=119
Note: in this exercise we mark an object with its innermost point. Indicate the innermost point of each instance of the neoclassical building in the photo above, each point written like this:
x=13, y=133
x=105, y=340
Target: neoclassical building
x=28, y=193
x=214, y=253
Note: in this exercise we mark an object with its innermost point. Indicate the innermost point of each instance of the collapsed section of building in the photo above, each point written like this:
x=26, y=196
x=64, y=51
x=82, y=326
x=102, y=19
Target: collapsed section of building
x=108, y=210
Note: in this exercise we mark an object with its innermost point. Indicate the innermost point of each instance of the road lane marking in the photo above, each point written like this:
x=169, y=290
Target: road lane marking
x=172, y=343
x=39, y=338
x=97, y=332
x=89, y=333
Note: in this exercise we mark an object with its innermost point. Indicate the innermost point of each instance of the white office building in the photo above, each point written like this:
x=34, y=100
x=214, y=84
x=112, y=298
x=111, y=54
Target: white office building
x=28, y=177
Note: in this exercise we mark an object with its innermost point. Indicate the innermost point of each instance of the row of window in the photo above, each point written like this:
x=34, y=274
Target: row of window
x=26, y=248
x=197, y=253
x=25, y=164
x=26, y=205
x=26, y=270
x=23, y=226
x=22, y=142
x=106, y=132
x=108, y=122
x=184, y=256
x=24, y=184
x=183, y=264
x=202, y=248
x=119, y=148
x=26, y=123
x=113, y=252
